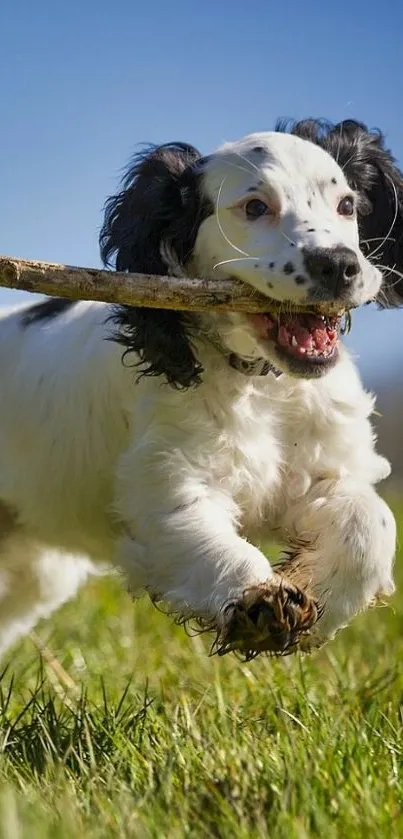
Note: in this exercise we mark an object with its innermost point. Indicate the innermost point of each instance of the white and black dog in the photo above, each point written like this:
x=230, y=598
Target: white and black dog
x=217, y=429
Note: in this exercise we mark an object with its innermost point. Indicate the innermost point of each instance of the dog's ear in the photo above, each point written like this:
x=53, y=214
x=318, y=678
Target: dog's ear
x=158, y=212
x=371, y=170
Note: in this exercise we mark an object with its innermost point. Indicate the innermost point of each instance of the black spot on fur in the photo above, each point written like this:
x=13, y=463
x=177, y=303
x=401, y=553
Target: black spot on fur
x=334, y=180
x=371, y=171
x=270, y=285
x=288, y=268
x=300, y=279
x=259, y=150
x=309, y=202
x=161, y=204
x=46, y=310
x=311, y=230
x=271, y=265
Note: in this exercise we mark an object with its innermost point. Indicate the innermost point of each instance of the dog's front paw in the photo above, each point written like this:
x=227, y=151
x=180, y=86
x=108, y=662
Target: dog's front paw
x=272, y=617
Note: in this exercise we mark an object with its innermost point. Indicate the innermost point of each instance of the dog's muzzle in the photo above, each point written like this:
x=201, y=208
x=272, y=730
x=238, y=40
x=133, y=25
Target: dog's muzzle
x=336, y=269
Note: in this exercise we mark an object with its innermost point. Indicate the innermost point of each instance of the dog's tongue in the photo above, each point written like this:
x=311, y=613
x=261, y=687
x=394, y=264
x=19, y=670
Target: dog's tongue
x=301, y=334
x=306, y=332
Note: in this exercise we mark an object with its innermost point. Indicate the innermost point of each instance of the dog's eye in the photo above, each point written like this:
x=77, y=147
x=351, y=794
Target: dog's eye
x=256, y=208
x=346, y=206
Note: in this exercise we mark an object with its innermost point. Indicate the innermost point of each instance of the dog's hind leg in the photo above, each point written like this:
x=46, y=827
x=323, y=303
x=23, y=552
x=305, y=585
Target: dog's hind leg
x=33, y=581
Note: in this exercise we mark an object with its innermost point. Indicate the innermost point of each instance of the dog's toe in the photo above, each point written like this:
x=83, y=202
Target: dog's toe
x=271, y=617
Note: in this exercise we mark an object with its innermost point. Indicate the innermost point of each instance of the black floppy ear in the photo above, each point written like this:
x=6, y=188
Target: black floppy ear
x=371, y=170
x=160, y=207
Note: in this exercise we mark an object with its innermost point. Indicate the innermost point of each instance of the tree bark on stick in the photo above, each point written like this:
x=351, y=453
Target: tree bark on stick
x=146, y=290
x=130, y=289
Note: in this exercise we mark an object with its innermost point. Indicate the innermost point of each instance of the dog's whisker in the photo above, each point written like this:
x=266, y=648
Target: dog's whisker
x=237, y=166
x=234, y=259
x=249, y=162
x=385, y=239
x=346, y=163
x=221, y=229
x=288, y=238
x=390, y=270
x=377, y=239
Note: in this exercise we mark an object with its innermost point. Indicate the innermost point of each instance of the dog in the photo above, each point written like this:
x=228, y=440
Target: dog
x=169, y=445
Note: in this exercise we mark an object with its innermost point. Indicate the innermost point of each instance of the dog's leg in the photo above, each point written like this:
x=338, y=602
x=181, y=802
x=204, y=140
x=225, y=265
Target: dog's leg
x=192, y=558
x=33, y=581
x=344, y=536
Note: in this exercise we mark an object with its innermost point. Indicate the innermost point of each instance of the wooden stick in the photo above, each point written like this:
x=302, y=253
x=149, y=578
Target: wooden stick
x=148, y=290
x=131, y=289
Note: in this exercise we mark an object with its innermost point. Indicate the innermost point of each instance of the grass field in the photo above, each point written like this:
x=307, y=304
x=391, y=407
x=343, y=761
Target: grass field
x=152, y=738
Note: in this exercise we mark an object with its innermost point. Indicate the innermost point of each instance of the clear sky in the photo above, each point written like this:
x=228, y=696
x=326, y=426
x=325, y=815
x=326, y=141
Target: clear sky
x=83, y=82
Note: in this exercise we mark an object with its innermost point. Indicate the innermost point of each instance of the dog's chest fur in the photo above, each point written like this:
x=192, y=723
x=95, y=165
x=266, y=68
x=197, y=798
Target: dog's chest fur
x=261, y=445
x=265, y=441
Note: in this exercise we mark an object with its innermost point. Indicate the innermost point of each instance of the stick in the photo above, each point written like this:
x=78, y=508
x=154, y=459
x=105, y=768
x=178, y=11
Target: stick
x=130, y=289
x=148, y=290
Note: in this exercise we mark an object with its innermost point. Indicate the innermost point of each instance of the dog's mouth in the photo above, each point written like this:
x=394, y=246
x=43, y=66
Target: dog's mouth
x=308, y=338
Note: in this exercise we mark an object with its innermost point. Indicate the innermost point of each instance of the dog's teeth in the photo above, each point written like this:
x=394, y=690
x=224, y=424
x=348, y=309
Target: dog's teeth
x=294, y=342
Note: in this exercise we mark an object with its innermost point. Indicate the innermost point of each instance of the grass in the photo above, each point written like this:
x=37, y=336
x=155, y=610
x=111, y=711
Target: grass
x=126, y=728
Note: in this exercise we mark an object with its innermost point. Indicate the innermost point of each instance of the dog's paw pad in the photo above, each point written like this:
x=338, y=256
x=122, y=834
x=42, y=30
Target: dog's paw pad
x=270, y=617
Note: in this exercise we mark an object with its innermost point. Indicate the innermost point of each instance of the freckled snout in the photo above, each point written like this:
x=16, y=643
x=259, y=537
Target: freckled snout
x=336, y=269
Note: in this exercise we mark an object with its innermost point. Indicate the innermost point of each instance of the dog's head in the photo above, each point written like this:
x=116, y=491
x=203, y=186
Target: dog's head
x=371, y=171
x=275, y=210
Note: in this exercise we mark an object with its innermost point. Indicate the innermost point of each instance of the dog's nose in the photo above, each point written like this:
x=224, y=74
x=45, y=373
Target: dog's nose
x=335, y=268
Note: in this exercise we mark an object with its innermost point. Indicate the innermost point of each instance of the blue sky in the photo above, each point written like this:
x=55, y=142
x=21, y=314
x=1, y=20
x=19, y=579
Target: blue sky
x=81, y=83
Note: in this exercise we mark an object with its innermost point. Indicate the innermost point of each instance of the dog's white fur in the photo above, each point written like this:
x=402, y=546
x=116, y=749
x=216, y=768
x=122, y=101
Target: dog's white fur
x=169, y=485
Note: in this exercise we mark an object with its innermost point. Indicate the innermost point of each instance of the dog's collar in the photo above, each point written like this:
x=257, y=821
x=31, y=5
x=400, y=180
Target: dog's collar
x=252, y=367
